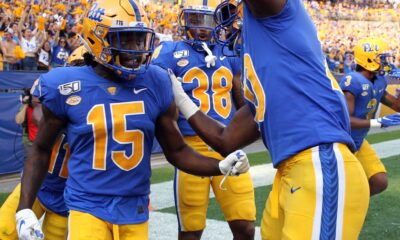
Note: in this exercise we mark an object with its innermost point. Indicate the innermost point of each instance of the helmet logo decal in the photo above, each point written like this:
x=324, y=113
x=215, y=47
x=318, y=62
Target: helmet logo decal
x=96, y=13
x=370, y=48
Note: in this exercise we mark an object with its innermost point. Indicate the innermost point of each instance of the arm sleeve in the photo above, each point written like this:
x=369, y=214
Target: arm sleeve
x=165, y=96
x=49, y=95
x=163, y=56
x=350, y=84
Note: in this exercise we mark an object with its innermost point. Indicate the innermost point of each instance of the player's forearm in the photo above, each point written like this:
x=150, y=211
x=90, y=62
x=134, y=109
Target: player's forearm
x=358, y=123
x=391, y=101
x=396, y=105
x=212, y=132
x=35, y=170
x=188, y=160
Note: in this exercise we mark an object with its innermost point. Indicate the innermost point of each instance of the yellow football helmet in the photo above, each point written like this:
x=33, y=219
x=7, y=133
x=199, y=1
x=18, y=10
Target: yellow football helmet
x=196, y=21
x=117, y=34
x=373, y=54
x=76, y=58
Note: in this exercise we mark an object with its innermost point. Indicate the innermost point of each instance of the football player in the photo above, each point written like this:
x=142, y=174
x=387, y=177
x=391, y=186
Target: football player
x=364, y=89
x=49, y=201
x=320, y=190
x=112, y=109
x=212, y=82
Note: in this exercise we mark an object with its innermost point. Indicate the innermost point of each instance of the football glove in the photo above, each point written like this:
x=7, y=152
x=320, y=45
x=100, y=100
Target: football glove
x=28, y=226
x=386, y=121
x=234, y=164
x=182, y=100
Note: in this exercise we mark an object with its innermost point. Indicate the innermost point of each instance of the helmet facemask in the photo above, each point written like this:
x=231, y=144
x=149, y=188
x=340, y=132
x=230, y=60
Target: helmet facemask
x=129, y=48
x=197, y=26
x=385, y=60
x=229, y=24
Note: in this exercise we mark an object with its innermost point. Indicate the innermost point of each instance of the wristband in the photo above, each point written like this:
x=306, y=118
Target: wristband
x=374, y=123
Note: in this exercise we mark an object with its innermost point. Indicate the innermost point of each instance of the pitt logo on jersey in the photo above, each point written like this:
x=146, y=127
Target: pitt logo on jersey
x=70, y=88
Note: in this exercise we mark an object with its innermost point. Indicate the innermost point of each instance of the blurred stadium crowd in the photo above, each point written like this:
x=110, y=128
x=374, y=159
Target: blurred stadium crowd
x=40, y=34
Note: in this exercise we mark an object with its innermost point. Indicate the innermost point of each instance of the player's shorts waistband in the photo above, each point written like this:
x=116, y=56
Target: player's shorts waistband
x=306, y=154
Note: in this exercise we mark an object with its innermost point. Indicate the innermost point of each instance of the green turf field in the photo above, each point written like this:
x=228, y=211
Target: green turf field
x=3, y=197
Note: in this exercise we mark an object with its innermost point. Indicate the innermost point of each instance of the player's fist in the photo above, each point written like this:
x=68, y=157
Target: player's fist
x=28, y=226
x=235, y=163
x=390, y=120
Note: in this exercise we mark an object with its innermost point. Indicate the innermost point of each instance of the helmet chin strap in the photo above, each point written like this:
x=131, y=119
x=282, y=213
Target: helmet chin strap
x=210, y=58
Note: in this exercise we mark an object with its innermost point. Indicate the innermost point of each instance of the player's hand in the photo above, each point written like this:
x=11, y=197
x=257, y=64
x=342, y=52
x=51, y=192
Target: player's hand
x=210, y=60
x=28, y=226
x=182, y=100
x=390, y=120
x=234, y=164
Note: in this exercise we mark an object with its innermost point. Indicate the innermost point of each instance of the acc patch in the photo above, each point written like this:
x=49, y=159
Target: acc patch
x=112, y=90
x=73, y=100
x=70, y=88
x=364, y=94
x=182, y=62
x=181, y=54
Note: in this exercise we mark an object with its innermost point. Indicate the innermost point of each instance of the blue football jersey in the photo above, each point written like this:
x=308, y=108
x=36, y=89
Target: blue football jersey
x=367, y=96
x=111, y=127
x=209, y=88
x=286, y=84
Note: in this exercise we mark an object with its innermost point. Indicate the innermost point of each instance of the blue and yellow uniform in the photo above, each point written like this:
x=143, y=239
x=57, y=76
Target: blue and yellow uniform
x=302, y=116
x=50, y=200
x=110, y=132
x=367, y=96
x=211, y=90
